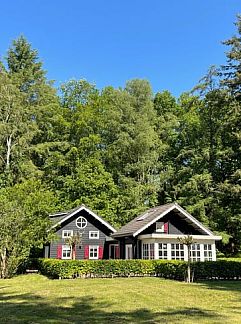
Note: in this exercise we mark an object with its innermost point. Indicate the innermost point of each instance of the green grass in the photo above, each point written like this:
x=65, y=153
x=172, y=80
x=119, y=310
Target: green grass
x=36, y=299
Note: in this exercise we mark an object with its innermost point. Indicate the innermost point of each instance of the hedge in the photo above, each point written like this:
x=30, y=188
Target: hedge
x=132, y=268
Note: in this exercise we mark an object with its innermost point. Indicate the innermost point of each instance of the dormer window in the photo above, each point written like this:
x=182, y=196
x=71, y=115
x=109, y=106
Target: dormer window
x=81, y=222
x=162, y=227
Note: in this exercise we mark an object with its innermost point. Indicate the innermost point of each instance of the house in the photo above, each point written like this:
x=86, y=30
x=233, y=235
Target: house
x=155, y=235
x=95, y=232
x=152, y=235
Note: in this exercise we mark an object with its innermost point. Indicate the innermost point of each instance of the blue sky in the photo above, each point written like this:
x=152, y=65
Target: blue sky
x=170, y=43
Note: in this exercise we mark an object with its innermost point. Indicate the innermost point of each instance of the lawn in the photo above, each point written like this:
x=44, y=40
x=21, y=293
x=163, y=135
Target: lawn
x=36, y=299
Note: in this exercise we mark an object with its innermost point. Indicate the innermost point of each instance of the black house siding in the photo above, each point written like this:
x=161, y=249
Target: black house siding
x=92, y=225
x=176, y=226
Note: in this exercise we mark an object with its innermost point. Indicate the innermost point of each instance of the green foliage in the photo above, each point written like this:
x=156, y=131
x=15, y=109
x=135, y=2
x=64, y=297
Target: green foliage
x=24, y=223
x=218, y=270
x=121, y=151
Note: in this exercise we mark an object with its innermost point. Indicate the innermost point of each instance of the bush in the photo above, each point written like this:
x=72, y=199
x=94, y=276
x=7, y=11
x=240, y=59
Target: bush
x=96, y=268
x=221, y=269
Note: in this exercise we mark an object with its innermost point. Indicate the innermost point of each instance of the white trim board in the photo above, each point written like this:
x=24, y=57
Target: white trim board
x=82, y=207
x=175, y=236
x=182, y=211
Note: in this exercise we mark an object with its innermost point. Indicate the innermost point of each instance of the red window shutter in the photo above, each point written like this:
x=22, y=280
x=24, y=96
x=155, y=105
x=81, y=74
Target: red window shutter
x=59, y=252
x=86, y=252
x=166, y=228
x=101, y=252
x=117, y=252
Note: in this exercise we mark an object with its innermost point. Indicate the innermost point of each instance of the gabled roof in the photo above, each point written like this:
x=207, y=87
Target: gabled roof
x=62, y=217
x=141, y=222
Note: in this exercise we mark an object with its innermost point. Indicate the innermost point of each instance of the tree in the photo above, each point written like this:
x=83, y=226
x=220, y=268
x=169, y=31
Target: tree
x=17, y=128
x=73, y=241
x=232, y=70
x=188, y=241
x=24, y=223
x=23, y=62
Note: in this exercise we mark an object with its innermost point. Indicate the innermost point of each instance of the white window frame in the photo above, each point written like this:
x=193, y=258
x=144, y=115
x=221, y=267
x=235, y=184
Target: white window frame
x=82, y=220
x=97, y=233
x=64, y=249
x=195, y=252
x=179, y=251
x=146, y=251
x=163, y=250
x=207, y=252
x=65, y=232
x=92, y=247
x=160, y=230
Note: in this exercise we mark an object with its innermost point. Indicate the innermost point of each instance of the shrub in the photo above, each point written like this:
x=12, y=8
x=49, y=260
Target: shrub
x=110, y=268
x=221, y=269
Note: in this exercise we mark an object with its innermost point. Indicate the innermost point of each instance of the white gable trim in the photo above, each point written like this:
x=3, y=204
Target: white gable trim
x=181, y=210
x=82, y=207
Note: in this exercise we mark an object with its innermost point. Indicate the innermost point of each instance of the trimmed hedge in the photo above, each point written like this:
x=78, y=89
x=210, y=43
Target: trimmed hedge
x=177, y=270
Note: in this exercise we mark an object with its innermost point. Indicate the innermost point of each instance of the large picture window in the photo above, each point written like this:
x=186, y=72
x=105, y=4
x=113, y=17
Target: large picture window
x=177, y=251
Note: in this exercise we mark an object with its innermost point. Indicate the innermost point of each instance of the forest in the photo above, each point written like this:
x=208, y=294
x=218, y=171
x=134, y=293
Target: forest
x=119, y=151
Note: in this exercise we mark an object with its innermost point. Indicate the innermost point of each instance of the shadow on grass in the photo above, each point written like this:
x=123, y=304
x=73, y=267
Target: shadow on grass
x=27, y=308
x=224, y=285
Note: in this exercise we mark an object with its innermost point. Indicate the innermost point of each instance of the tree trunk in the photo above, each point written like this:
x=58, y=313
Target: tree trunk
x=8, y=154
x=189, y=264
x=3, y=263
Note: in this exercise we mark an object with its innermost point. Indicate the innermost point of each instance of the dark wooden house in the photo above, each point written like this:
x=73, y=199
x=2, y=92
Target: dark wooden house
x=96, y=241
x=155, y=235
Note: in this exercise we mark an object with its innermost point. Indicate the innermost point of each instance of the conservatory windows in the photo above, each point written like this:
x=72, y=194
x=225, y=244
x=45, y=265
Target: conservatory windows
x=162, y=251
x=177, y=251
x=195, y=252
x=207, y=251
x=148, y=251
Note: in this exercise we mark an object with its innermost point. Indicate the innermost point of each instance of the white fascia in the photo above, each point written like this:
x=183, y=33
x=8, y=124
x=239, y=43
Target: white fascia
x=88, y=211
x=181, y=210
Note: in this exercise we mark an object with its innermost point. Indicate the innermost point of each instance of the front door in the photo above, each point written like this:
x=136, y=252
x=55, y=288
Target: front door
x=129, y=251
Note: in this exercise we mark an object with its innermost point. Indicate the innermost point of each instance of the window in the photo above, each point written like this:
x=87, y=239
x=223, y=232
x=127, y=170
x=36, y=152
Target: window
x=177, y=251
x=195, y=252
x=160, y=227
x=94, y=235
x=207, y=250
x=67, y=233
x=114, y=252
x=93, y=252
x=152, y=251
x=162, y=251
x=145, y=251
x=148, y=251
x=81, y=222
x=66, y=252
